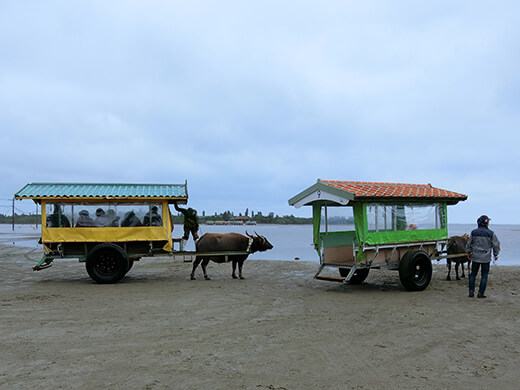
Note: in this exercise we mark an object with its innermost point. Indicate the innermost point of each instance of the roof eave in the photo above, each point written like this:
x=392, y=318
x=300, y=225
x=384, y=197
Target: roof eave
x=170, y=199
x=450, y=201
x=113, y=192
x=306, y=197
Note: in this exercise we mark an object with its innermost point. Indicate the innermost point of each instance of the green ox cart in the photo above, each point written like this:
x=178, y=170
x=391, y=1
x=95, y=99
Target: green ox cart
x=396, y=227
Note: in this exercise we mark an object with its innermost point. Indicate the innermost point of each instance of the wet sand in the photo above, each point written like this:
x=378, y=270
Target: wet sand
x=277, y=329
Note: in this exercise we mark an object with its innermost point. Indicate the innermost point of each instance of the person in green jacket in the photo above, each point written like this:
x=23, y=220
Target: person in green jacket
x=191, y=223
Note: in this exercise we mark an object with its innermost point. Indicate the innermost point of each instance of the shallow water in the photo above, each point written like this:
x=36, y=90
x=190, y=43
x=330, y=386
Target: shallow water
x=289, y=241
x=22, y=235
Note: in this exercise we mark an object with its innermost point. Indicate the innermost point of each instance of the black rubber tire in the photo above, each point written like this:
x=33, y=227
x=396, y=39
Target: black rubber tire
x=107, y=263
x=359, y=275
x=415, y=270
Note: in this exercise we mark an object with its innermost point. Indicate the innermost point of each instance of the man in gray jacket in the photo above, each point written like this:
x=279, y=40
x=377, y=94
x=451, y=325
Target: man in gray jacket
x=481, y=244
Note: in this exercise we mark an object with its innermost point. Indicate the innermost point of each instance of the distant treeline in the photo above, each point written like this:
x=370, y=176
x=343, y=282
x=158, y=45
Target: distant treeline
x=341, y=221
x=259, y=218
x=178, y=219
x=32, y=219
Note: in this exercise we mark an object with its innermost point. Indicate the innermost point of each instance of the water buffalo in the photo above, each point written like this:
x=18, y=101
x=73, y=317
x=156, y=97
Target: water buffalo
x=217, y=242
x=457, y=244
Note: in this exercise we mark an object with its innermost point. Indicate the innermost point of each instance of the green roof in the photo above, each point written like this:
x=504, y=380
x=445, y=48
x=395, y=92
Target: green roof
x=39, y=191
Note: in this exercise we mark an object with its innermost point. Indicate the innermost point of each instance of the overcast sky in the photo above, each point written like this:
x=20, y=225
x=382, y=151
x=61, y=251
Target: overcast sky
x=252, y=101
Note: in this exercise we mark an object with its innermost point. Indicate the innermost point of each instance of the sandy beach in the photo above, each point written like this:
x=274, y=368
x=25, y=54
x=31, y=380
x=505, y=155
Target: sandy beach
x=277, y=329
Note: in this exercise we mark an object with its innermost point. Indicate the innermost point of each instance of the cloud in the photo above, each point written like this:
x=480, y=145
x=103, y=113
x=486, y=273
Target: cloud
x=251, y=102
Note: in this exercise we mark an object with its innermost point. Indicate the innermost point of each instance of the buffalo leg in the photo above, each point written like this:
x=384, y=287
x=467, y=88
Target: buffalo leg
x=204, y=265
x=457, y=270
x=196, y=263
x=234, y=267
x=240, y=264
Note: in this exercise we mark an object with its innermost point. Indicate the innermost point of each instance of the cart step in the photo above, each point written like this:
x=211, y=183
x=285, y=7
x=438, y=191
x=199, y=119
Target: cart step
x=330, y=278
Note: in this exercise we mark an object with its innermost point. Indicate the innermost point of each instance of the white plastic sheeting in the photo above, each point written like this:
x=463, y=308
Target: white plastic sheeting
x=383, y=217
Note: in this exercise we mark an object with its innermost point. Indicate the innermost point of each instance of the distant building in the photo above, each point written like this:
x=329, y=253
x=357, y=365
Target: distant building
x=242, y=219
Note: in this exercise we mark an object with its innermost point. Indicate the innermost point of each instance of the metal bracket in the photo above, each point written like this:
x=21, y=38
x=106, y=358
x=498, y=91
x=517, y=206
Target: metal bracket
x=374, y=257
x=391, y=255
x=319, y=270
x=350, y=274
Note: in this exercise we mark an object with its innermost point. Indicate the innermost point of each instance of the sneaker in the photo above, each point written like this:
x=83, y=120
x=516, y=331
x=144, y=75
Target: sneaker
x=479, y=295
x=471, y=294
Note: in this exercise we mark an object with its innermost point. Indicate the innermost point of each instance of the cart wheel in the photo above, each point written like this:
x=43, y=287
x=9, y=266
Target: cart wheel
x=359, y=275
x=415, y=270
x=107, y=263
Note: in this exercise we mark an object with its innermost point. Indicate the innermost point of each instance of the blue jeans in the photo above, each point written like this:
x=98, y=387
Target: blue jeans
x=483, y=277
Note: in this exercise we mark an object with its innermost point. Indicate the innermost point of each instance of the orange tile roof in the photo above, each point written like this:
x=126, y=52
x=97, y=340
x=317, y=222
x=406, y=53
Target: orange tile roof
x=362, y=189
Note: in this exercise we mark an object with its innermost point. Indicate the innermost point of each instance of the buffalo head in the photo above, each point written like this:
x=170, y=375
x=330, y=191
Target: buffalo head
x=260, y=242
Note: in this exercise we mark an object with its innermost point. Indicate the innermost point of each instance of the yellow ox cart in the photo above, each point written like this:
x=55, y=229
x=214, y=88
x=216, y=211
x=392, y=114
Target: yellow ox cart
x=107, y=226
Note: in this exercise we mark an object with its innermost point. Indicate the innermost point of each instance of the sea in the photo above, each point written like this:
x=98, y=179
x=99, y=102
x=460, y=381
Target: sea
x=290, y=242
